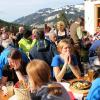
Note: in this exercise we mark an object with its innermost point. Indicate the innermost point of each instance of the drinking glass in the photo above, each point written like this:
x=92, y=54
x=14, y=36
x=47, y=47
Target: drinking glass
x=90, y=74
x=86, y=66
x=10, y=88
x=86, y=77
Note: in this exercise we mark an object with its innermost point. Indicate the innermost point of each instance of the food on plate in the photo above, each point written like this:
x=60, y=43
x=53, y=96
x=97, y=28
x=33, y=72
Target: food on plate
x=81, y=85
x=21, y=84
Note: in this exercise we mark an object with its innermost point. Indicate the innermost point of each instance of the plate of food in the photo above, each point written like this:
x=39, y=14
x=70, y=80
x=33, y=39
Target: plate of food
x=81, y=84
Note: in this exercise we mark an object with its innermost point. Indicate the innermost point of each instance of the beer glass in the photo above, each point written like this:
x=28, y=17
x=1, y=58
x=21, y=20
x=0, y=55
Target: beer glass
x=90, y=74
x=10, y=89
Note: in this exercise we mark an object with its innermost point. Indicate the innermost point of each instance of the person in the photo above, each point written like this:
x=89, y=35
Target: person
x=94, y=92
x=53, y=41
x=95, y=61
x=96, y=34
x=4, y=29
x=61, y=31
x=53, y=37
x=5, y=40
x=15, y=68
x=19, y=35
x=97, y=58
x=47, y=30
x=41, y=87
x=92, y=50
x=65, y=65
x=25, y=43
x=42, y=49
x=4, y=55
x=94, y=45
x=73, y=30
x=34, y=34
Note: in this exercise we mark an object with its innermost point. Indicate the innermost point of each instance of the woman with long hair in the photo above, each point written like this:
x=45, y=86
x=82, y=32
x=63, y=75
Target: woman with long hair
x=41, y=87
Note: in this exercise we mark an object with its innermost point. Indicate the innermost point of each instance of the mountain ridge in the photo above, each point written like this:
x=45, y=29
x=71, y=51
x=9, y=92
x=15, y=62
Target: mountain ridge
x=48, y=15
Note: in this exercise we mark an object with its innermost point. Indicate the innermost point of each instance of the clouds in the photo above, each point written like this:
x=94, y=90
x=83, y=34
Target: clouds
x=14, y=9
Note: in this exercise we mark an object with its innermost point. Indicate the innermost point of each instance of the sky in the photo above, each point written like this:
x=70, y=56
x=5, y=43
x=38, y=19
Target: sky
x=11, y=10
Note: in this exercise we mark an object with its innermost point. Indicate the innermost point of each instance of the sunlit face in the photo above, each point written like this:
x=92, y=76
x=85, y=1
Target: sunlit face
x=60, y=27
x=34, y=36
x=66, y=49
x=21, y=29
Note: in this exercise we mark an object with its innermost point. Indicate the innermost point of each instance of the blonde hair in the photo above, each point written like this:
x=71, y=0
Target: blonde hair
x=34, y=31
x=62, y=43
x=39, y=72
x=60, y=23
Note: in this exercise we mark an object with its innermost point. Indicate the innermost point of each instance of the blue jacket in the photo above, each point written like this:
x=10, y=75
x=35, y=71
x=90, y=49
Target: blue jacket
x=4, y=55
x=94, y=92
x=94, y=46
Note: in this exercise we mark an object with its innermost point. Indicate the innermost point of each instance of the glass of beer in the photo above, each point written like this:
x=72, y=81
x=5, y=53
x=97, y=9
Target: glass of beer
x=90, y=74
x=86, y=77
x=10, y=89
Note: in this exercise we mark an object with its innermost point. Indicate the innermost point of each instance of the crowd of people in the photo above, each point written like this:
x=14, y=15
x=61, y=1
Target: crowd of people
x=49, y=56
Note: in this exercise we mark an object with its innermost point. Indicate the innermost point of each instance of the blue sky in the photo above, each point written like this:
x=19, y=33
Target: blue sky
x=13, y=9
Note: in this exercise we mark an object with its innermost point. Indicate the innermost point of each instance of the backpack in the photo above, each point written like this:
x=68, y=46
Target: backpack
x=42, y=45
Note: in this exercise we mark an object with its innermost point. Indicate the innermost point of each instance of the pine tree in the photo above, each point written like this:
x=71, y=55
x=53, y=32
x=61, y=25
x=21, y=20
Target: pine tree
x=63, y=17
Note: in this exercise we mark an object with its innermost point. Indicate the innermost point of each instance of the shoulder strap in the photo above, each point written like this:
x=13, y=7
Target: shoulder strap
x=66, y=33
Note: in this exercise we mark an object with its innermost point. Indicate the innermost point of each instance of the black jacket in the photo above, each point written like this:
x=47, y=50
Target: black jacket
x=42, y=50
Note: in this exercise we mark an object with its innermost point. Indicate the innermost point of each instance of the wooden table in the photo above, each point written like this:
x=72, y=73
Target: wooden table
x=3, y=97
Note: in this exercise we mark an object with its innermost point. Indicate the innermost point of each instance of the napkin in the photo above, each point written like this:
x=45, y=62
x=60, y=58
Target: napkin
x=14, y=97
x=65, y=85
x=78, y=96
